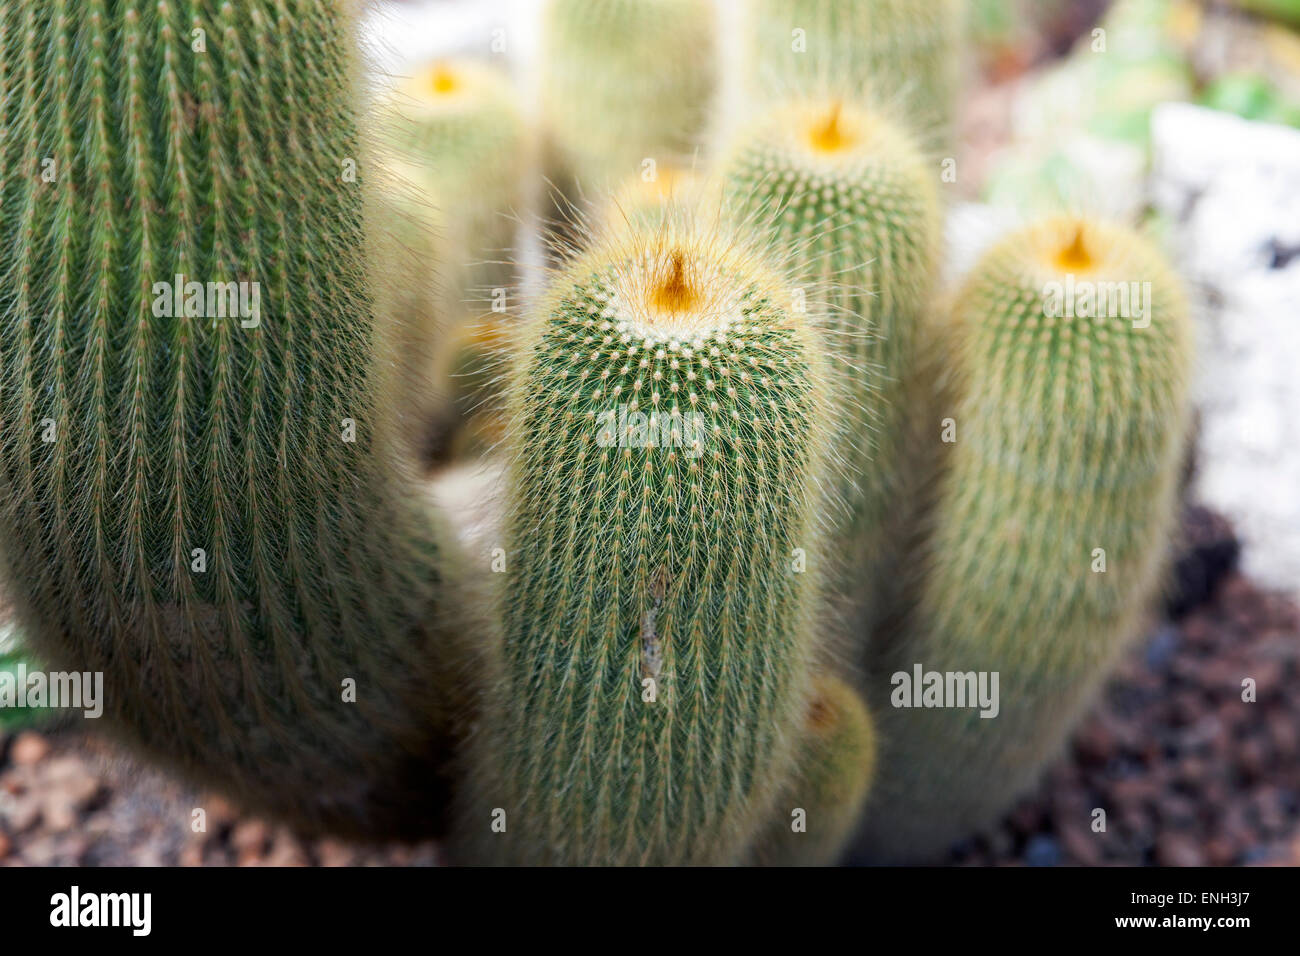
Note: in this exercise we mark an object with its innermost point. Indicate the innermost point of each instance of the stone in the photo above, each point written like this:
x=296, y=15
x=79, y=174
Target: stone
x=29, y=748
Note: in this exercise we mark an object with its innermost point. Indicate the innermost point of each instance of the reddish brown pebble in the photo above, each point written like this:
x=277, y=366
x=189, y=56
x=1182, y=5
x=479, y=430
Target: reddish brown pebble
x=1082, y=845
x=250, y=836
x=286, y=851
x=1220, y=852
x=1173, y=849
x=219, y=810
x=192, y=854
x=29, y=749
x=333, y=852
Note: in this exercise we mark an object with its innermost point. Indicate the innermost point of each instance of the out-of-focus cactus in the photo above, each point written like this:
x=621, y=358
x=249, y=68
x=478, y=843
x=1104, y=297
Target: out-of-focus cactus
x=900, y=50
x=648, y=198
x=458, y=123
x=823, y=801
x=1065, y=417
x=853, y=196
x=623, y=82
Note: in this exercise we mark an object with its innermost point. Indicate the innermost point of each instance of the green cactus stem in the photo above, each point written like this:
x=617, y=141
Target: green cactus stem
x=624, y=81
x=667, y=428
x=903, y=51
x=822, y=803
x=854, y=196
x=1063, y=433
x=458, y=122
x=199, y=496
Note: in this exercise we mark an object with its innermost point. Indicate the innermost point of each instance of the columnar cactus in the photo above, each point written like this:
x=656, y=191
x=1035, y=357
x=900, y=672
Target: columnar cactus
x=198, y=496
x=667, y=415
x=823, y=801
x=624, y=81
x=896, y=48
x=1069, y=359
x=458, y=122
x=647, y=198
x=415, y=317
x=212, y=332
x=854, y=198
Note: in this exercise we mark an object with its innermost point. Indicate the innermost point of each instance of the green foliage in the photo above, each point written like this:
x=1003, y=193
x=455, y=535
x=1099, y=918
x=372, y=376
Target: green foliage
x=14, y=663
x=1288, y=11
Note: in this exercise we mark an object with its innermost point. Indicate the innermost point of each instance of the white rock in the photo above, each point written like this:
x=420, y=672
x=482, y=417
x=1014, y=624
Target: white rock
x=1232, y=188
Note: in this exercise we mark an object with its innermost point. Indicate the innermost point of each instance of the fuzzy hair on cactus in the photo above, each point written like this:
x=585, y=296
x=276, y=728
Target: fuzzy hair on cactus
x=647, y=198
x=668, y=411
x=1067, y=416
x=624, y=81
x=413, y=317
x=895, y=48
x=459, y=123
x=198, y=497
x=854, y=198
x=823, y=801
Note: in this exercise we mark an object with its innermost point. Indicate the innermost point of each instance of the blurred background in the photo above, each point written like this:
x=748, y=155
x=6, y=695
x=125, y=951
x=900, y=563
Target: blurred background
x=1181, y=116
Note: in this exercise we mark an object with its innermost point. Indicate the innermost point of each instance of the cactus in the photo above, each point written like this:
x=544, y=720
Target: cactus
x=182, y=501
x=1051, y=519
x=624, y=81
x=894, y=48
x=458, y=122
x=852, y=194
x=657, y=628
x=830, y=784
x=219, y=311
x=414, y=317
x=647, y=199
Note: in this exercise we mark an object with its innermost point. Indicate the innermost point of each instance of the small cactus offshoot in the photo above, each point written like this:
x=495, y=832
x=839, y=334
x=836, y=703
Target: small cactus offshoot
x=822, y=803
